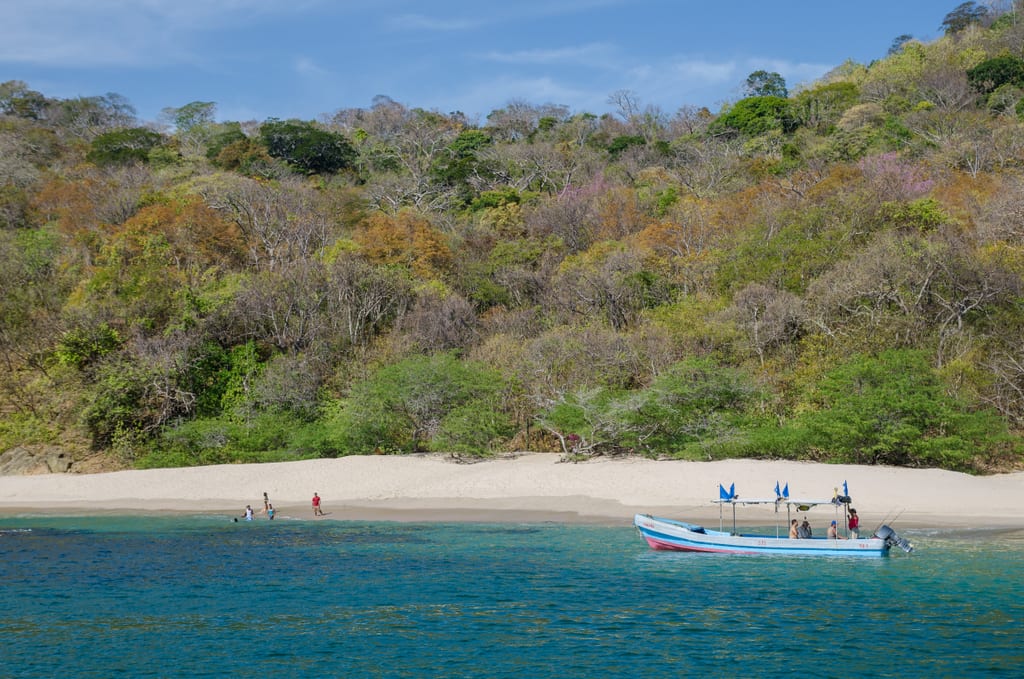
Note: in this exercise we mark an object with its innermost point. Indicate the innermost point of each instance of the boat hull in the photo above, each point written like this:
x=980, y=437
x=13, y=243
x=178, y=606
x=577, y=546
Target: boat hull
x=666, y=534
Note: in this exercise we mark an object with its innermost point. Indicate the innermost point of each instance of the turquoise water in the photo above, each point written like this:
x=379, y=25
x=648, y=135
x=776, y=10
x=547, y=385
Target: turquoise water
x=201, y=596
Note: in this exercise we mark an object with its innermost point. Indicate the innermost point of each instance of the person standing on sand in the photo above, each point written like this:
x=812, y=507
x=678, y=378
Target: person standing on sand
x=266, y=503
x=316, y=506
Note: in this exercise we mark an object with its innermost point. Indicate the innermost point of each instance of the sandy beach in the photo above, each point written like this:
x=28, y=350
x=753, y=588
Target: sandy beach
x=529, y=487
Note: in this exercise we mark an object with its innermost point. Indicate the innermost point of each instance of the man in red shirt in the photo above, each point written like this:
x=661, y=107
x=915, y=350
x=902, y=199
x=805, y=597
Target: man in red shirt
x=316, y=506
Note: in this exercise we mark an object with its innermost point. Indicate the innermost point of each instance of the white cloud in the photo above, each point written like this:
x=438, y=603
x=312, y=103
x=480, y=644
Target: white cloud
x=794, y=73
x=701, y=71
x=595, y=53
x=305, y=66
x=485, y=97
x=418, y=22
x=547, y=8
x=120, y=32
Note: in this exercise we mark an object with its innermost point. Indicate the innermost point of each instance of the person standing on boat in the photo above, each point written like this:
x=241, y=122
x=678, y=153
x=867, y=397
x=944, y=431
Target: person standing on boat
x=793, y=532
x=854, y=524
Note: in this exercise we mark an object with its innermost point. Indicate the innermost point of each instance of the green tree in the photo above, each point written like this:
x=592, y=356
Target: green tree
x=88, y=117
x=898, y=42
x=623, y=142
x=16, y=99
x=992, y=74
x=193, y=124
x=454, y=168
x=755, y=116
x=230, y=133
x=123, y=146
x=965, y=14
x=190, y=116
x=307, y=147
x=765, y=84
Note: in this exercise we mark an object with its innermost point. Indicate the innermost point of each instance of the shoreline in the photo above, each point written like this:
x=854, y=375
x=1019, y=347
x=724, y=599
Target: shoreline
x=528, y=488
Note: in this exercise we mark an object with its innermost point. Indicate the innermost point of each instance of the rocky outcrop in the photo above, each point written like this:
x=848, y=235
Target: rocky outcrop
x=42, y=459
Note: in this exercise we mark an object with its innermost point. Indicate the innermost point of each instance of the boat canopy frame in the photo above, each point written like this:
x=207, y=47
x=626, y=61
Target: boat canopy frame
x=802, y=505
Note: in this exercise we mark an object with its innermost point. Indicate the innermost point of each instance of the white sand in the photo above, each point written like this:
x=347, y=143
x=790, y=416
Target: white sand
x=531, y=487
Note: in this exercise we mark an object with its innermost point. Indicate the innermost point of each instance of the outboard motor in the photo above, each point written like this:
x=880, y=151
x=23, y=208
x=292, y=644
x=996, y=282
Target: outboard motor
x=893, y=539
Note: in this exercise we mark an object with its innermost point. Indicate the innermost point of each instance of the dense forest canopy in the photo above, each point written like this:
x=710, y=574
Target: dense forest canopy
x=832, y=271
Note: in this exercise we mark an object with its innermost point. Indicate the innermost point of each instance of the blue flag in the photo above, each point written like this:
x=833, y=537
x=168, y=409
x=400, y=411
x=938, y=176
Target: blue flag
x=785, y=491
x=846, y=491
x=778, y=493
x=732, y=491
x=724, y=494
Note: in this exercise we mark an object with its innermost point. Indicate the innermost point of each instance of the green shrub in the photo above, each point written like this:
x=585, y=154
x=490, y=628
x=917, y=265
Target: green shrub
x=422, y=403
x=17, y=429
x=267, y=437
x=892, y=409
x=83, y=346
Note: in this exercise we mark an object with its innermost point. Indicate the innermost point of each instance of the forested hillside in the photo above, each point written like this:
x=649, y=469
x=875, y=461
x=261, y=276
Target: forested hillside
x=831, y=273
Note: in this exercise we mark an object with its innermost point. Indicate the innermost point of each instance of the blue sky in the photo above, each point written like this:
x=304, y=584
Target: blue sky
x=303, y=58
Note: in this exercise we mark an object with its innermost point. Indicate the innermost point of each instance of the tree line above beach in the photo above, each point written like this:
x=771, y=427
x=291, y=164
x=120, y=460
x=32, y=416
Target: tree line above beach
x=830, y=273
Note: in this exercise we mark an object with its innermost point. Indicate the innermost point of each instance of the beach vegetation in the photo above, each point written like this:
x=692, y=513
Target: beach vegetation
x=832, y=273
x=892, y=408
x=693, y=405
x=422, y=403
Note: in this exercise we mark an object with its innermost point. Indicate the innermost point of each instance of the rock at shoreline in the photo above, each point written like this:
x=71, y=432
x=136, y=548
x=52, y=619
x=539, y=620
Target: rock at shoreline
x=25, y=460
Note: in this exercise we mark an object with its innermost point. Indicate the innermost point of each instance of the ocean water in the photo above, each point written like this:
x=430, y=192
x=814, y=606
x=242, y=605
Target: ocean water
x=202, y=596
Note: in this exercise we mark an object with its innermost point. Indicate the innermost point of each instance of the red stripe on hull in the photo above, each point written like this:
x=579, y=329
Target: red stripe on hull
x=673, y=547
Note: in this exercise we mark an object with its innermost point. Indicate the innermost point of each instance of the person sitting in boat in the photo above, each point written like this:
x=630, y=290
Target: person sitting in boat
x=793, y=532
x=833, y=532
x=805, y=529
x=854, y=524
